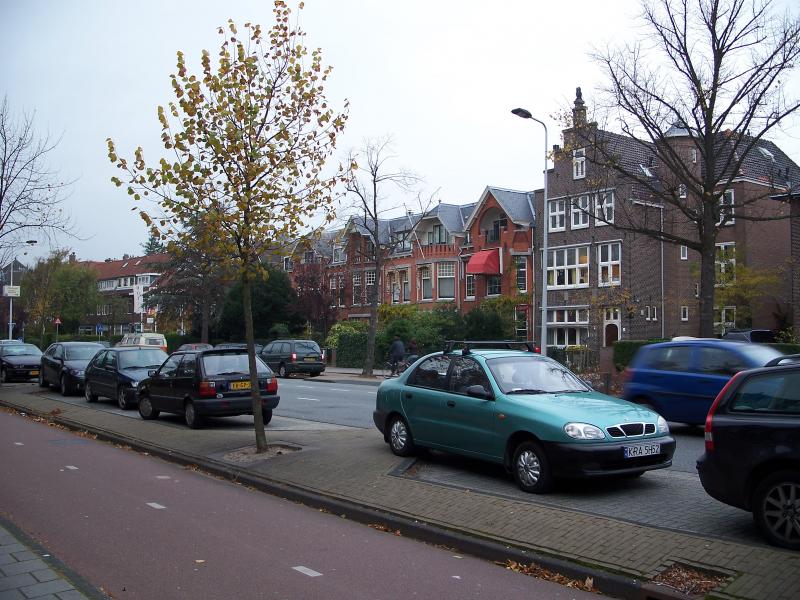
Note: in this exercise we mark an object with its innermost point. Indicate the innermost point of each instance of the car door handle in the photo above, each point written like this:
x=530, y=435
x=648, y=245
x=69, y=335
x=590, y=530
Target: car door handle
x=451, y=403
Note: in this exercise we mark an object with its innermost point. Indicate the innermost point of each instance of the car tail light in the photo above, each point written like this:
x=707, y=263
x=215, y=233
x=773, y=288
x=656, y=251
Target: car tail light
x=208, y=389
x=709, y=428
x=294, y=356
x=322, y=355
x=272, y=385
x=537, y=349
x=627, y=375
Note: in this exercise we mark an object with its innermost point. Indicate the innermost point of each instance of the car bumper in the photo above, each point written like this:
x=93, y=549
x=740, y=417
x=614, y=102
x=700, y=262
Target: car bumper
x=719, y=484
x=379, y=417
x=21, y=372
x=233, y=406
x=301, y=367
x=603, y=459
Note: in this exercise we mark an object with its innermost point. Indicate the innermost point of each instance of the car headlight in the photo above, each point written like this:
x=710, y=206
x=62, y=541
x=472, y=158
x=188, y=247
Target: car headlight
x=76, y=372
x=134, y=383
x=662, y=425
x=583, y=431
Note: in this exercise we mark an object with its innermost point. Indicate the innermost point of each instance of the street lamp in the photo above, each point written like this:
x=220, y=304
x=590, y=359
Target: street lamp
x=524, y=114
x=10, y=298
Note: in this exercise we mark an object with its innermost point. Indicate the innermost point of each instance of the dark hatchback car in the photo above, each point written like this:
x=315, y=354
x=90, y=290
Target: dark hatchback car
x=194, y=346
x=19, y=361
x=752, y=450
x=680, y=379
x=755, y=336
x=116, y=373
x=64, y=364
x=207, y=383
x=294, y=356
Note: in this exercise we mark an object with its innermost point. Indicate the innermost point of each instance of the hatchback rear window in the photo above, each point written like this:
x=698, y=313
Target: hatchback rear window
x=760, y=355
x=231, y=364
x=154, y=342
x=306, y=347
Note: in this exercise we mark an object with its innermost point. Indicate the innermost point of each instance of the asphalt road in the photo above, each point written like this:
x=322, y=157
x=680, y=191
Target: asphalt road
x=138, y=527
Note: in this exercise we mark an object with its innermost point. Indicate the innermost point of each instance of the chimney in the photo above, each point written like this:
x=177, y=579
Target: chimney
x=126, y=256
x=579, y=110
x=72, y=258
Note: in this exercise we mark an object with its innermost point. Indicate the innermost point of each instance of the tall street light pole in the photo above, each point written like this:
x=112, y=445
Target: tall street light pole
x=10, y=298
x=525, y=114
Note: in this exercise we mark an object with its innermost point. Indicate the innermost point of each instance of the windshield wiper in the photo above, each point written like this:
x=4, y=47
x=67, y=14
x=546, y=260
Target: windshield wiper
x=527, y=391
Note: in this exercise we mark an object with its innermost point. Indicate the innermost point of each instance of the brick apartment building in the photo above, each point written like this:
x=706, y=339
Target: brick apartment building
x=603, y=283
x=122, y=285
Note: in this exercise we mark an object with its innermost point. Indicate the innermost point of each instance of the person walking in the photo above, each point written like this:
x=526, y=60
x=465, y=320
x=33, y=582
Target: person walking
x=413, y=351
x=396, y=352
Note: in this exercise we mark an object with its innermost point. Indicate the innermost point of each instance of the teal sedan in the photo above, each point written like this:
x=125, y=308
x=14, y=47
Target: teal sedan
x=522, y=410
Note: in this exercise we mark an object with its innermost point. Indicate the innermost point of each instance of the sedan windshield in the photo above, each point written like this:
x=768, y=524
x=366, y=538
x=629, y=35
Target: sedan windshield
x=142, y=359
x=81, y=352
x=21, y=350
x=533, y=375
x=231, y=364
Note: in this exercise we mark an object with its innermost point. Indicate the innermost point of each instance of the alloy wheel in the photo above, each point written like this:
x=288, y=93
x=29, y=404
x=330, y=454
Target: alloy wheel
x=529, y=469
x=122, y=401
x=781, y=511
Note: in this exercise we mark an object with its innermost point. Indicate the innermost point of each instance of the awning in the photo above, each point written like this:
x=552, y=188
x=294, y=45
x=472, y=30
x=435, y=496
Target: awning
x=485, y=262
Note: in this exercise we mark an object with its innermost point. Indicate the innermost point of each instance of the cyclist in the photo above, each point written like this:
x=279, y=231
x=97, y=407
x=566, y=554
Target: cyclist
x=396, y=352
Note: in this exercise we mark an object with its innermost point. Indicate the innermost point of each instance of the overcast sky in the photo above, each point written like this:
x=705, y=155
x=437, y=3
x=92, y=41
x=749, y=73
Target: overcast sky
x=439, y=76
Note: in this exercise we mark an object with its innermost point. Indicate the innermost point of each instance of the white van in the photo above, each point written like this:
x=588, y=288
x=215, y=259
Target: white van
x=144, y=339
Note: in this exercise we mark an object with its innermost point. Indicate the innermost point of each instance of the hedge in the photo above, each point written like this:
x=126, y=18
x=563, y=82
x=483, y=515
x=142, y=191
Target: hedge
x=351, y=350
x=625, y=350
x=786, y=348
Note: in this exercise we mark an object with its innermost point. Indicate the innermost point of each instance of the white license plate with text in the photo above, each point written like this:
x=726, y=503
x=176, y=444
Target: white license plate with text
x=641, y=450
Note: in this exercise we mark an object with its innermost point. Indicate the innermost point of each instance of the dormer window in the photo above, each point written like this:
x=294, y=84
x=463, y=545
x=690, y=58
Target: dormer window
x=339, y=254
x=579, y=163
x=682, y=190
x=647, y=172
x=437, y=235
x=766, y=153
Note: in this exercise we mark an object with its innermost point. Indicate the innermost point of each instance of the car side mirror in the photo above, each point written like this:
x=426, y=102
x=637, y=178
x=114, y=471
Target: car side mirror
x=478, y=391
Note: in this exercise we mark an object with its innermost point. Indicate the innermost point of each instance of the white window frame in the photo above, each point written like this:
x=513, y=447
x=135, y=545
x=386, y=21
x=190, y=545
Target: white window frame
x=579, y=209
x=682, y=193
x=469, y=283
x=579, y=163
x=521, y=263
x=727, y=199
x=693, y=155
x=647, y=313
x=609, y=264
x=287, y=264
x=655, y=314
x=684, y=252
x=445, y=271
x=357, y=288
x=557, y=213
x=369, y=285
x=684, y=313
x=499, y=292
x=579, y=270
x=332, y=287
x=604, y=206
x=425, y=275
x=722, y=265
x=342, y=288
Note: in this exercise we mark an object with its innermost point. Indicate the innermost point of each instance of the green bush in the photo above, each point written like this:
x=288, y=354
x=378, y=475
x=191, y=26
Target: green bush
x=786, y=348
x=351, y=349
x=624, y=351
x=332, y=341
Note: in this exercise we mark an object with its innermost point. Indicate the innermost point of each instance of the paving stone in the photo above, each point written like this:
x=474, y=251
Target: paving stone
x=11, y=595
x=48, y=587
x=24, y=555
x=25, y=566
x=7, y=559
x=45, y=575
x=11, y=548
x=16, y=581
x=71, y=595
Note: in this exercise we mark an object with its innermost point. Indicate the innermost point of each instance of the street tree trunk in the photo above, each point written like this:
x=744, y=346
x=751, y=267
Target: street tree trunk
x=258, y=420
x=708, y=279
x=204, y=318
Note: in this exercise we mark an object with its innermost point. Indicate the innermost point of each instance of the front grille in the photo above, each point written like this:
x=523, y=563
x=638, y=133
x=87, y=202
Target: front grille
x=630, y=430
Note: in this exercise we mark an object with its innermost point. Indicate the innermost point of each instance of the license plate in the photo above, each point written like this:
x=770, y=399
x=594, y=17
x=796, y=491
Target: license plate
x=310, y=359
x=240, y=385
x=34, y=373
x=641, y=450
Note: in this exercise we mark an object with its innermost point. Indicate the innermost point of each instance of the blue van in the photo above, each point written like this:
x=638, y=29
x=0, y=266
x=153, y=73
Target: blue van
x=680, y=379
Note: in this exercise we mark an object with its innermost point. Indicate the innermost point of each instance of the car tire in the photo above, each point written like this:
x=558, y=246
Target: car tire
x=266, y=415
x=773, y=510
x=282, y=371
x=146, y=410
x=122, y=400
x=42, y=381
x=315, y=374
x=531, y=468
x=401, y=441
x=190, y=416
x=63, y=386
x=87, y=393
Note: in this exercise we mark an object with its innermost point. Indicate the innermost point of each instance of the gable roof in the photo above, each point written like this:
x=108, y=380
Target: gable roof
x=127, y=267
x=517, y=205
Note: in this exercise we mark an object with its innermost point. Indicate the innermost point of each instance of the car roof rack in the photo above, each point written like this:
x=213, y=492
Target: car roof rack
x=467, y=345
x=776, y=361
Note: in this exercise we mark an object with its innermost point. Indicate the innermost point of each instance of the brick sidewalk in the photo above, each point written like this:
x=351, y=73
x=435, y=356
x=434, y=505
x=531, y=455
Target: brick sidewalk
x=355, y=473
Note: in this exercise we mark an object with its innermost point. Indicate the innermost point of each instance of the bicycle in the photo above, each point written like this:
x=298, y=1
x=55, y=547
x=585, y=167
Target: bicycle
x=402, y=365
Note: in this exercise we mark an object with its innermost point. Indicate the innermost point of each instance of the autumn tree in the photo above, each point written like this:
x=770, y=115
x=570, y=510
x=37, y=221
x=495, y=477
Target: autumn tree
x=248, y=139
x=714, y=73
x=31, y=192
x=154, y=244
x=368, y=189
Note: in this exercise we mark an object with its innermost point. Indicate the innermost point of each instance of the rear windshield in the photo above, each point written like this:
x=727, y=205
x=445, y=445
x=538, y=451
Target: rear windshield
x=142, y=359
x=761, y=355
x=21, y=350
x=231, y=364
x=154, y=342
x=306, y=346
x=81, y=352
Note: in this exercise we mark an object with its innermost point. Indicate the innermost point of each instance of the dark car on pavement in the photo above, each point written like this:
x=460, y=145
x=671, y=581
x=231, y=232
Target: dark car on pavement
x=116, y=373
x=212, y=382
x=194, y=346
x=755, y=336
x=680, y=379
x=64, y=363
x=521, y=410
x=19, y=361
x=294, y=356
x=752, y=449
x=239, y=346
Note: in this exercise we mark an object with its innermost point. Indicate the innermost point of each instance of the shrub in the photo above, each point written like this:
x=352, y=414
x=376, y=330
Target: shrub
x=351, y=348
x=786, y=348
x=332, y=341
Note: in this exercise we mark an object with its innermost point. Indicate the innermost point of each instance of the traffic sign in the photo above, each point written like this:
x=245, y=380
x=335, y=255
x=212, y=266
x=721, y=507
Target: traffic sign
x=11, y=291
x=57, y=321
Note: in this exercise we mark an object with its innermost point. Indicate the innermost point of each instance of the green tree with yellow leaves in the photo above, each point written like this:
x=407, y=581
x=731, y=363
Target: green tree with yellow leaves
x=248, y=140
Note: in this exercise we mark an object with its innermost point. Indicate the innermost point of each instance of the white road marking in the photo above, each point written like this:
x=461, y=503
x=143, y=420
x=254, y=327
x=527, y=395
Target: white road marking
x=339, y=390
x=18, y=444
x=163, y=477
x=307, y=571
x=156, y=505
x=307, y=387
x=309, y=399
x=70, y=467
x=456, y=576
